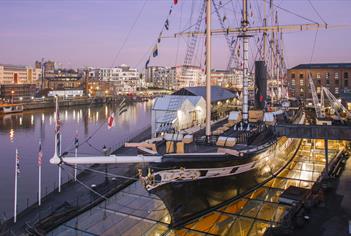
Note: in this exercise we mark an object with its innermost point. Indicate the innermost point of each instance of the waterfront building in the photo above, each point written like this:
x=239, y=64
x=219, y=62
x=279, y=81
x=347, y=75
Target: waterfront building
x=123, y=78
x=151, y=75
x=17, y=92
x=228, y=78
x=334, y=76
x=174, y=78
x=17, y=81
x=186, y=76
x=18, y=74
x=60, y=80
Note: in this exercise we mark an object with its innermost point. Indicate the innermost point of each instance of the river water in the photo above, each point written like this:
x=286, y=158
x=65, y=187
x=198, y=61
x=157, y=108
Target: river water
x=24, y=131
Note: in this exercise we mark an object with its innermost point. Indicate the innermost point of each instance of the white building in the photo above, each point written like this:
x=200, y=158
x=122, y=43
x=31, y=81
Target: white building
x=186, y=76
x=174, y=112
x=123, y=78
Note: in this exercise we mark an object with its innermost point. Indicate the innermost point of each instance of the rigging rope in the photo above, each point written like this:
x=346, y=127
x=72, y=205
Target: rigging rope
x=320, y=17
x=129, y=32
x=291, y=12
x=106, y=198
x=229, y=40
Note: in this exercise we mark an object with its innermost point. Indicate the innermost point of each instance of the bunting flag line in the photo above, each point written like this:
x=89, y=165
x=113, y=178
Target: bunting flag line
x=147, y=63
x=166, y=25
x=159, y=38
x=155, y=51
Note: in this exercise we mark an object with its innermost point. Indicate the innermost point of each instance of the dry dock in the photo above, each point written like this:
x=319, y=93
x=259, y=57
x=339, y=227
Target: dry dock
x=133, y=211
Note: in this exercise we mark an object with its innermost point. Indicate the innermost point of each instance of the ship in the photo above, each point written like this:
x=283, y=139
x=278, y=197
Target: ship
x=196, y=170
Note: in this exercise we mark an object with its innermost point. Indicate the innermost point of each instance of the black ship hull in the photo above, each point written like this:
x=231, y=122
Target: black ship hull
x=191, y=185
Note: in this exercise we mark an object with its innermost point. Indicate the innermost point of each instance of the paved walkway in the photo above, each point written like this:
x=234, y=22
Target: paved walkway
x=73, y=198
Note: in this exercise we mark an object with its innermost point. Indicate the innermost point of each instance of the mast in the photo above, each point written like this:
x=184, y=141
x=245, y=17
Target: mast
x=264, y=32
x=208, y=68
x=244, y=25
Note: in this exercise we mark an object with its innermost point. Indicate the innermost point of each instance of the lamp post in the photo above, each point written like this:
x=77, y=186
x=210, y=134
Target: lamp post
x=104, y=149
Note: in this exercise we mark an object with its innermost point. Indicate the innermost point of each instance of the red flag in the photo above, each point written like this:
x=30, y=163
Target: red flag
x=111, y=120
x=261, y=98
x=175, y=2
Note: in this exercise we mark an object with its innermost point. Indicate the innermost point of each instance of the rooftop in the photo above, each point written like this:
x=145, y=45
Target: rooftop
x=10, y=66
x=217, y=93
x=322, y=65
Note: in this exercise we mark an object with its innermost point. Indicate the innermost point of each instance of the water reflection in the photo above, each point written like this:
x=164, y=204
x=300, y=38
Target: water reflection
x=12, y=135
x=24, y=130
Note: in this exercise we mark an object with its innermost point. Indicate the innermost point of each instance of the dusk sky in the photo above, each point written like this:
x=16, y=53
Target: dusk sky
x=80, y=33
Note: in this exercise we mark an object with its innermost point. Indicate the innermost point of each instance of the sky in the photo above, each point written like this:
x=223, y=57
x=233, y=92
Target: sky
x=105, y=33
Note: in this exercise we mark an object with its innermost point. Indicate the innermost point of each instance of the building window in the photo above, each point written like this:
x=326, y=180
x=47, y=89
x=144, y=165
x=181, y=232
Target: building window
x=327, y=82
x=346, y=75
x=301, y=82
x=318, y=89
x=318, y=75
x=336, y=90
x=293, y=82
x=319, y=82
x=301, y=76
x=346, y=83
x=336, y=75
x=301, y=90
x=337, y=82
x=327, y=75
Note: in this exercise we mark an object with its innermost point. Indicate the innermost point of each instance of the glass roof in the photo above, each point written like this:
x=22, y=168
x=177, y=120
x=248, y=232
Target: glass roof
x=133, y=211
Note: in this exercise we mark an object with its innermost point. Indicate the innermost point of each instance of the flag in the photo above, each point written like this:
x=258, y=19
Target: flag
x=76, y=141
x=111, y=120
x=40, y=155
x=18, y=170
x=167, y=24
x=175, y=2
x=155, y=51
x=122, y=107
x=147, y=63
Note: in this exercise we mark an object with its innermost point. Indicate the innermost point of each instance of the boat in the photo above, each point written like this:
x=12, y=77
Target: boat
x=12, y=108
x=199, y=169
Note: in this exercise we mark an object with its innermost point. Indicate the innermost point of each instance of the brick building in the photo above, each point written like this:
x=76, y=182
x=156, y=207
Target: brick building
x=334, y=76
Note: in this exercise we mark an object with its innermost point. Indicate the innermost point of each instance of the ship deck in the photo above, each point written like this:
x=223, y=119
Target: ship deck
x=200, y=146
x=133, y=211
